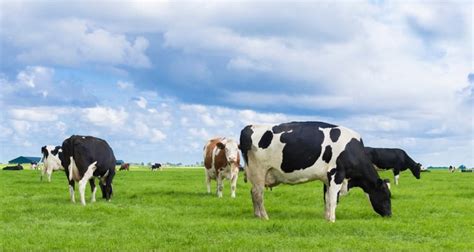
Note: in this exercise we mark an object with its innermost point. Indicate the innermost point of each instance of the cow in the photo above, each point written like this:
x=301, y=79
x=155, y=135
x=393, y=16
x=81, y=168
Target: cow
x=396, y=159
x=299, y=152
x=34, y=166
x=51, y=161
x=156, y=166
x=125, y=167
x=85, y=158
x=17, y=167
x=452, y=168
x=221, y=160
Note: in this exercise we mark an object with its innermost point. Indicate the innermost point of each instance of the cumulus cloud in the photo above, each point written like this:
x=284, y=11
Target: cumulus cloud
x=105, y=116
x=38, y=85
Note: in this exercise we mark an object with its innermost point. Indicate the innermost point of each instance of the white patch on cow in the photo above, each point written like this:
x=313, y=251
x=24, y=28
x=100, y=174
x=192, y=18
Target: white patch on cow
x=83, y=182
x=396, y=179
x=388, y=185
x=71, y=194
x=73, y=171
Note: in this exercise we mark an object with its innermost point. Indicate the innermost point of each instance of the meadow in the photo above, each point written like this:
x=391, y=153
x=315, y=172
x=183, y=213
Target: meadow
x=170, y=210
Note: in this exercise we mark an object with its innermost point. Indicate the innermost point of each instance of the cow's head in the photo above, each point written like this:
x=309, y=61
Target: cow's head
x=416, y=170
x=231, y=149
x=380, y=198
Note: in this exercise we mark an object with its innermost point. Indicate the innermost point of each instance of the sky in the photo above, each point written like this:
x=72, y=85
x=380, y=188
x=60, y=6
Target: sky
x=156, y=79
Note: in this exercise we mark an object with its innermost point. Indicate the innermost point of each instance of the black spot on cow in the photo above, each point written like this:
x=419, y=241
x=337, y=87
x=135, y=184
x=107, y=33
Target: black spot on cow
x=56, y=150
x=327, y=154
x=246, y=141
x=266, y=140
x=44, y=151
x=302, y=143
x=335, y=133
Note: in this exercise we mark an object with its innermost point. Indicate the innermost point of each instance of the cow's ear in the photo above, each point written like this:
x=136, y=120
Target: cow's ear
x=43, y=149
x=220, y=145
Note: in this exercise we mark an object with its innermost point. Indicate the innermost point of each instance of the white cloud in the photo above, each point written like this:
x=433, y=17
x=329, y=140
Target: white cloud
x=141, y=102
x=36, y=114
x=72, y=41
x=105, y=116
x=124, y=85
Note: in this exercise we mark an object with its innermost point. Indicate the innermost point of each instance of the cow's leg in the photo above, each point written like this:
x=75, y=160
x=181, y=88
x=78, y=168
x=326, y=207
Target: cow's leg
x=396, y=175
x=108, y=187
x=220, y=184
x=345, y=187
x=83, y=182
x=326, y=198
x=93, y=188
x=333, y=194
x=208, y=181
x=233, y=184
x=71, y=191
x=256, y=176
x=49, y=172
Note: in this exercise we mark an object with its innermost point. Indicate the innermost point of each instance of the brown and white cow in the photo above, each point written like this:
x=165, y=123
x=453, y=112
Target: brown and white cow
x=222, y=160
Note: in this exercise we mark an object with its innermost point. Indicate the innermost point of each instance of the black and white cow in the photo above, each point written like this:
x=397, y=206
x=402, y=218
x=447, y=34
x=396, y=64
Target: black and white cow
x=51, y=161
x=156, y=166
x=396, y=159
x=85, y=158
x=298, y=152
x=17, y=167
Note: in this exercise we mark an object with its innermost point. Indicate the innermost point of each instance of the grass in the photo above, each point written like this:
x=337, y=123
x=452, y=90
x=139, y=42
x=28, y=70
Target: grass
x=169, y=210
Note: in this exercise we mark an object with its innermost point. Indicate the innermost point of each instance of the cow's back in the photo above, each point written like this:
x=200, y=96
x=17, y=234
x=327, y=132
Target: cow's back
x=86, y=150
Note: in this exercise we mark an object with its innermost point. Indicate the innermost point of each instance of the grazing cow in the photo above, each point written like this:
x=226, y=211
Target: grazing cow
x=51, y=160
x=222, y=160
x=452, y=168
x=298, y=152
x=396, y=159
x=13, y=168
x=156, y=166
x=125, y=167
x=85, y=158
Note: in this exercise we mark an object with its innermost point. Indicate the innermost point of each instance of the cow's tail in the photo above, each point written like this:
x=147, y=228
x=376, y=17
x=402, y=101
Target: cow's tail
x=246, y=141
x=245, y=146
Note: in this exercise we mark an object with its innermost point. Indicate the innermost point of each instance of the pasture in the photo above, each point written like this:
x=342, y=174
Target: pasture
x=170, y=210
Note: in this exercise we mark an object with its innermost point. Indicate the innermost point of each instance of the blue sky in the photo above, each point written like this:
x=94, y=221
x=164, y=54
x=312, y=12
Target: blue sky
x=157, y=79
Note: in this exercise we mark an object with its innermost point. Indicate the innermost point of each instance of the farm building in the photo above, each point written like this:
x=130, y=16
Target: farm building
x=24, y=160
x=119, y=162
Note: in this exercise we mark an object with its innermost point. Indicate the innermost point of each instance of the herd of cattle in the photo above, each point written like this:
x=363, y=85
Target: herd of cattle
x=288, y=153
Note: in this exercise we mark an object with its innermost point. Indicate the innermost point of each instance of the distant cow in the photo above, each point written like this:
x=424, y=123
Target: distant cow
x=396, y=159
x=13, y=168
x=299, y=152
x=156, y=166
x=125, y=167
x=51, y=160
x=34, y=165
x=85, y=158
x=222, y=160
x=452, y=168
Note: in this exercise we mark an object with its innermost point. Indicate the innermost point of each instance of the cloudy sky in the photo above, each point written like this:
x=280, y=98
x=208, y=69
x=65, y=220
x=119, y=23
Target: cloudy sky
x=156, y=79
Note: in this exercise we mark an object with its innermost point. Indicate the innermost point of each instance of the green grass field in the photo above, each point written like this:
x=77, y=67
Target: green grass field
x=169, y=210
